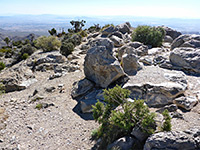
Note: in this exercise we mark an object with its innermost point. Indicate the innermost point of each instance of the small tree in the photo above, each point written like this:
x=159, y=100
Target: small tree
x=118, y=116
x=77, y=26
x=2, y=65
x=167, y=121
x=52, y=32
x=2, y=88
x=7, y=40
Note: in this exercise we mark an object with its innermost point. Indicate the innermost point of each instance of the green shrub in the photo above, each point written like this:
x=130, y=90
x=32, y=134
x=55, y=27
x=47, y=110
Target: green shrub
x=39, y=106
x=25, y=56
x=2, y=65
x=116, y=123
x=66, y=48
x=2, y=88
x=167, y=123
x=149, y=35
x=48, y=43
x=17, y=43
x=83, y=33
x=28, y=48
x=95, y=28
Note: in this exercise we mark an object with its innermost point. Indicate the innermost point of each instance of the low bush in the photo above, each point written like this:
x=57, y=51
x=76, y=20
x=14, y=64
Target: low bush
x=2, y=65
x=2, y=88
x=149, y=35
x=66, y=48
x=28, y=48
x=25, y=56
x=95, y=28
x=83, y=33
x=48, y=43
x=118, y=116
x=167, y=123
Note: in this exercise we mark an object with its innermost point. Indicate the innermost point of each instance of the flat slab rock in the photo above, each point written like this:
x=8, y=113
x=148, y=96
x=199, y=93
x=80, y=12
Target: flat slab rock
x=156, y=85
x=175, y=140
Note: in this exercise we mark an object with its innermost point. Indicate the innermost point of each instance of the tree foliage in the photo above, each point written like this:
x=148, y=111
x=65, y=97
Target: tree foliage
x=52, y=32
x=7, y=40
x=118, y=116
x=77, y=26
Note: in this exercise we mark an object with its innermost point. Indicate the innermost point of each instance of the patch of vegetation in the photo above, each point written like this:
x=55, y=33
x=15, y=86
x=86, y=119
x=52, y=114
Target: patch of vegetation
x=118, y=116
x=77, y=26
x=149, y=35
x=39, y=106
x=2, y=65
x=7, y=41
x=66, y=48
x=2, y=88
x=18, y=44
x=83, y=33
x=167, y=123
x=52, y=32
x=95, y=28
x=25, y=56
x=48, y=43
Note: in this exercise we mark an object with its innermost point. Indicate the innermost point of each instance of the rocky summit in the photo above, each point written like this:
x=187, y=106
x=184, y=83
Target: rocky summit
x=47, y=97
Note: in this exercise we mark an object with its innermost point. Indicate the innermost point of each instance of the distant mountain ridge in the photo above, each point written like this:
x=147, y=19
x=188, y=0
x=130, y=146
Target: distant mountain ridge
x=40, y=24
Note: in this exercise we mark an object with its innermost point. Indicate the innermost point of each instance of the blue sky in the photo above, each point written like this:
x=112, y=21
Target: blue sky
x=152, y=8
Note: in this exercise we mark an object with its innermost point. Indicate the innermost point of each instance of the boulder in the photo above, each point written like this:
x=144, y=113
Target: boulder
x=168, y=39
x=186, y=59
x=171, y=32
x=107, y=31
x=130, y=64
x=117, y=41
x=136, y=48
x=186, y=40
x=174, y=140
x=139, y=134
x=50, y=57
x=157, y=86
x=100, y=65
x=91, y=99
x=124, y=28
x=81, y=87
x=17, y=78
x=118, y=34
x=124, y=143
x=186, y=103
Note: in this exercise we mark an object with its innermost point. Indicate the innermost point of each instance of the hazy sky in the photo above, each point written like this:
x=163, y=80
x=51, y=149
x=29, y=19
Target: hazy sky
x=153, y=8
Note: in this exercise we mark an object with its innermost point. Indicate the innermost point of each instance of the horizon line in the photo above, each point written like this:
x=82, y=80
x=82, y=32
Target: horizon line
x=74, y=15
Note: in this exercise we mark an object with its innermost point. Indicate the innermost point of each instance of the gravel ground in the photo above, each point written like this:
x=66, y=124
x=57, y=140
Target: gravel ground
x=61, y=126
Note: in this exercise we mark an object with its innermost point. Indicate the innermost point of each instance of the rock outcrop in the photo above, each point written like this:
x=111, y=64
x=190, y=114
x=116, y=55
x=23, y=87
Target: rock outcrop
x=158, y=86
x=186, y=59
x=100, y=65
x=186, y=40
x=171, y=32
x=176, y=140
